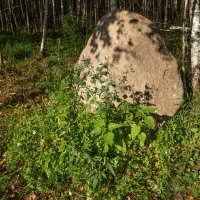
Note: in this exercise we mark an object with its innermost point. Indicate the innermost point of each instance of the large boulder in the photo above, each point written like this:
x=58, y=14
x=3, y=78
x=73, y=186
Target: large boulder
x=144, y=71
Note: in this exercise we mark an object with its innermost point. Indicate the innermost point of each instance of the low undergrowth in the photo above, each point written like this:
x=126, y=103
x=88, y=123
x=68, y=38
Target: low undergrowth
x=63, y=151
x=58, y=149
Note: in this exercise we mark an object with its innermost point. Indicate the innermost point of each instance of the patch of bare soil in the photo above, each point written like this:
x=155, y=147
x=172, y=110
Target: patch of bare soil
x=17, y=86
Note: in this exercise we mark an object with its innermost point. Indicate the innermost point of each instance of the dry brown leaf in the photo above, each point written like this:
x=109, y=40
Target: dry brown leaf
x=42, y=142
x=14, y=184
x=31, y=197
x=191, y=198
x=3, y=161
x=178, y=197
x=12, y=187
x=188, y=169
x=157, y=164
x=105, y=189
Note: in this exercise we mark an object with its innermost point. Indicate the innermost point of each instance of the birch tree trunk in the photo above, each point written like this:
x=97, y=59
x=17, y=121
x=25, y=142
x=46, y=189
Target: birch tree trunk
x=195, y=44
x=44, y=29
x=54, y=14
x=27, y=16
x=41, y=14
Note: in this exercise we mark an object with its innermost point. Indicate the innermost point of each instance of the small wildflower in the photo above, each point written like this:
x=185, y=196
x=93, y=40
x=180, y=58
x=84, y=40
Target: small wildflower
x=34, y=132
x=18, y=144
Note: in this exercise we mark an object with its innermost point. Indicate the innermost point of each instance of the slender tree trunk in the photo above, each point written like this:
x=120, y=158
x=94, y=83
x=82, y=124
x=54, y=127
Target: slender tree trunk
x=44, y=29
x=10, y=16
x=22, y=10
x=54, y=13
x=158, y=16
x=113, y=5
x=195, y=44
x=62, y=12
x=184, y=41
x=6, y=22
x=166, y=14
x=95, y=12
x=41, y=6
x=14, y=17
x=154, y=11
x=2, y=22
x=27, y=17
x=37, y=20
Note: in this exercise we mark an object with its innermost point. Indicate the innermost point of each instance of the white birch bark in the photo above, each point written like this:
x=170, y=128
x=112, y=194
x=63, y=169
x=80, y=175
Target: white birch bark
x=195, y=43
x=54, y=14
x=44, y=28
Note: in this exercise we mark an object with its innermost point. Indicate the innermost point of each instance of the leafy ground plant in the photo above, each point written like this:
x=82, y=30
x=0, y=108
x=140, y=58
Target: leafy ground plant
x=63, y=150
x=63, y=143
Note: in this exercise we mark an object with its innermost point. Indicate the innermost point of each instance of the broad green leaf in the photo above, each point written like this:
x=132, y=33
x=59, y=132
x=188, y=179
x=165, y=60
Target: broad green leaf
x=112, y=126
x=139, y=113
x=103, y=175
x=109, y=137
x=150, y=109
x=149, y=121
x=86, y=156
x=110, y=168
x=95, y=181
x=96, y=130
x=196, y=135
x=118, y=147
x=106, y=148
x=194, y=130
x=142, y=137
x=101, y=123
x=135, y=130
x=129, y=117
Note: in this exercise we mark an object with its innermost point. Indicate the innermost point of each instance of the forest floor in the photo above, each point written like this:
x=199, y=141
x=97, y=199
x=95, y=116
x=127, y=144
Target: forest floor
x=19, y=87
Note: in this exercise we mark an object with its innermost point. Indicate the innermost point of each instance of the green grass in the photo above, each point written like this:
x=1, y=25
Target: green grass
x=62, y=147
